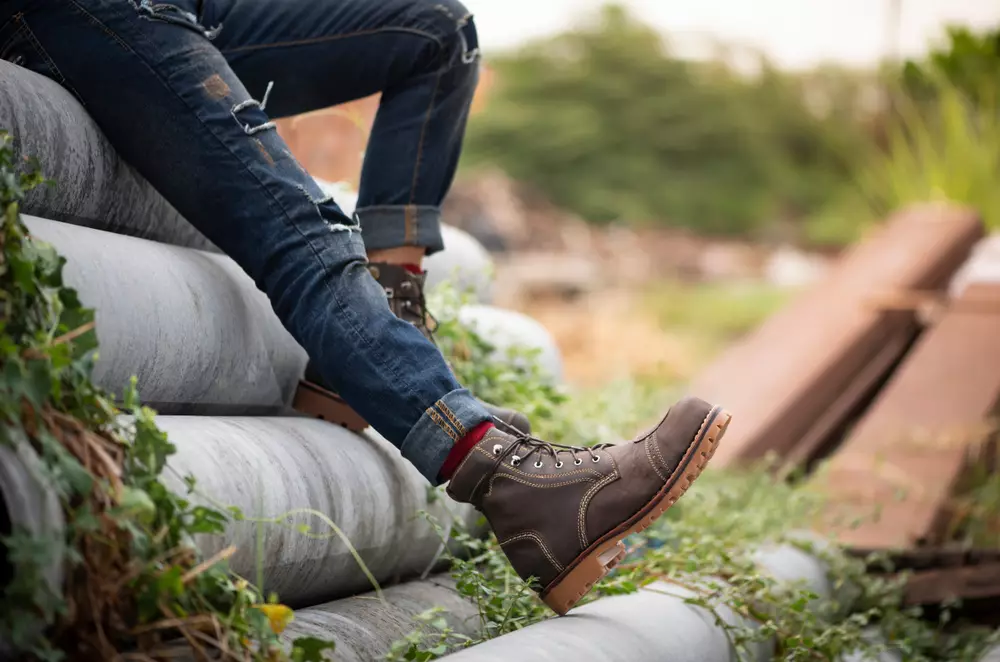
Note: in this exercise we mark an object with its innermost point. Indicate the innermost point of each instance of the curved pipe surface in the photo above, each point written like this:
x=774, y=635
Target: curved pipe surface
x=93, y=186
x=268, y=467
x=194, y=329
x=653, y=624
x=365, y=628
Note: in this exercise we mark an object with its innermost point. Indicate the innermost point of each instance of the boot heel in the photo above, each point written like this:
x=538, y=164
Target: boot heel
x=562, y=596
x=320, y=403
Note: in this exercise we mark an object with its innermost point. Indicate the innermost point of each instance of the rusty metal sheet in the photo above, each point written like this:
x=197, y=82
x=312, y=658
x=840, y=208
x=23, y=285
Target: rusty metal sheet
x=781, y=380
x=905, y=456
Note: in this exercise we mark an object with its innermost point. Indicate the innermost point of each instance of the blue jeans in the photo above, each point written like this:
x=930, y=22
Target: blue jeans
x=180, y=88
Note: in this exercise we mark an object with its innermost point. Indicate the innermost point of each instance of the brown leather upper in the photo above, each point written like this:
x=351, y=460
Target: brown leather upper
x=548, y=504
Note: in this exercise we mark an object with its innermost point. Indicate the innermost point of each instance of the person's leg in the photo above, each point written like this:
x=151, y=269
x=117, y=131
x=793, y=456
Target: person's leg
x=422, y=55
x=170, y=104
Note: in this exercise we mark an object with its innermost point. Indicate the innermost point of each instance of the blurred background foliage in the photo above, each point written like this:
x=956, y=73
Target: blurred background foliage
x=608, y=123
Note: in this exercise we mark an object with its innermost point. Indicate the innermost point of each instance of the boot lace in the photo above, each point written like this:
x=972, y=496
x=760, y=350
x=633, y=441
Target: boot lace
x=525, y=446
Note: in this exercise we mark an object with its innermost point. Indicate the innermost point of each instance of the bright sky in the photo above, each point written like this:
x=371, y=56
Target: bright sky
x=795, y=33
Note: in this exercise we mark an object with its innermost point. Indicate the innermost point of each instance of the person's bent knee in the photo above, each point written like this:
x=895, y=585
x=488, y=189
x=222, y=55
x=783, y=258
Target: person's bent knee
x=450, y=23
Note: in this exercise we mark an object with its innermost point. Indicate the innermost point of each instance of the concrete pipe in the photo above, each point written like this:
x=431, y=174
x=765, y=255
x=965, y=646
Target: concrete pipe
x=507, y=329
x=268, y=467
x=28, y=504
x=992, y=655
x=653, y=624
x=464, y=263
x=874, y=637
x=194, y=329
x=364, y=627
x=93, y=186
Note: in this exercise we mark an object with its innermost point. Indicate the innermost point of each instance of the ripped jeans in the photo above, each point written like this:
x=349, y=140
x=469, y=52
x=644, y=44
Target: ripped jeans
x=182, y=89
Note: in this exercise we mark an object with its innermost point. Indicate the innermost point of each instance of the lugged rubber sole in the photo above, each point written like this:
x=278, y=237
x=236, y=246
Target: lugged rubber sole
x=604, y=554
x=316, y=401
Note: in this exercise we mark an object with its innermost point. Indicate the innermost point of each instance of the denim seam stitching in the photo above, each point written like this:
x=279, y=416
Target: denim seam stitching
x=284, y=213
x=440, y=411
x=10, y=40
x=328, y=38
x=423, y=133
x=436, y=418
x=397, y=207
x=446, y=410
x=408, y=222
x=108, y=31
x=61, y=79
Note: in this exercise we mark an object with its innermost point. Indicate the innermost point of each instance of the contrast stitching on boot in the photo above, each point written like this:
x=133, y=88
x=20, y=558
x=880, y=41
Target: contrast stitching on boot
x=582, y=516
x=494, y=477
x=446, y=410
x=434, y=416
x=649, y=456
x=531, y=535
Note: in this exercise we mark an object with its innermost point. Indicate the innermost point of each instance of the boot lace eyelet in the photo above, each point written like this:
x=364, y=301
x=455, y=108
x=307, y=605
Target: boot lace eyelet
x=597, y=458
x=538, y=465
x=577, y=462
x=515, y=460
x=559, y=465
x=497, y=449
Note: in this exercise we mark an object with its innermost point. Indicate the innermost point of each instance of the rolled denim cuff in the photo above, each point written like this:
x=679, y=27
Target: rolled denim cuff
x=439, y=428
x=392, y=226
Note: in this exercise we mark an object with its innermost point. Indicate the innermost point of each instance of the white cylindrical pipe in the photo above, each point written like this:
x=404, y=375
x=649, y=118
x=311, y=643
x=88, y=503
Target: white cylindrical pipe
x=29, y=505
x=653, y=624
x=93, y=186
x=508, y=329
x=194, y=329
x=463, y=263
x=364, y=628
x=992, y=655
x=268, y=467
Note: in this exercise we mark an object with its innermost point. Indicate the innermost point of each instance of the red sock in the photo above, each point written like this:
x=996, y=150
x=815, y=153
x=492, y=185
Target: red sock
x=413, y=268
x=462, y=448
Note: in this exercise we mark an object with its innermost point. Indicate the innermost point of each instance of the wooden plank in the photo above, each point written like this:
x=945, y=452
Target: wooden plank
x=936, y=586
x=780, y=380
x=907, y=453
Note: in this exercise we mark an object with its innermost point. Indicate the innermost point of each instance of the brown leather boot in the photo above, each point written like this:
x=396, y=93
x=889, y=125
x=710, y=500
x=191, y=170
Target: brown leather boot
x=405, y=292
x=560, y=512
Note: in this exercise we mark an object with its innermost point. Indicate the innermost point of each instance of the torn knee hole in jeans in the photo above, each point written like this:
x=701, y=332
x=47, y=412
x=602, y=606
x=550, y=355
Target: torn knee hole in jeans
x=466, y=33
x=334, y=227
x=259, y=105
x=169, y=13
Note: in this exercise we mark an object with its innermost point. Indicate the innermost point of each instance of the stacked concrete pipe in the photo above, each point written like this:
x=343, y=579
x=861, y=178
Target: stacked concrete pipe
x=203, y=340
x=92, y=185
x=992, y=655
x=655, y=624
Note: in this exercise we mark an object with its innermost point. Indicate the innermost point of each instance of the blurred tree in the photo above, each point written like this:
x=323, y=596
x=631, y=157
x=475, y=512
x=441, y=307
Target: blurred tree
x=968, y=62
x=606, y=123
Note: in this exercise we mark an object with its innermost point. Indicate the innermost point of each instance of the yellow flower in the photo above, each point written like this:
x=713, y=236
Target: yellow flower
x=278, y=615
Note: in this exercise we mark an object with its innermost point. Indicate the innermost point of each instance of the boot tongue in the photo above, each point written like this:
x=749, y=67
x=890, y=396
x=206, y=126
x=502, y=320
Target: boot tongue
x=405, y=292
x=472, y=476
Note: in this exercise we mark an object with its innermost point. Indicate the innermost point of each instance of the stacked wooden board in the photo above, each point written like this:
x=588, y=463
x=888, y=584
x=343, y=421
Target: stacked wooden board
x=893, y=380
x=804, y=372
